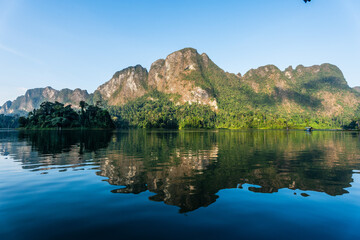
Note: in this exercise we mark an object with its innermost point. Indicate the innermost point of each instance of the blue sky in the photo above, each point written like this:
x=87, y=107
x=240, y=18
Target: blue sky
x=80, y=44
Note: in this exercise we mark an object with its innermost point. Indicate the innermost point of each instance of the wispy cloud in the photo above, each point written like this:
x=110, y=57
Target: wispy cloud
x=19, y=54
x=7, y=10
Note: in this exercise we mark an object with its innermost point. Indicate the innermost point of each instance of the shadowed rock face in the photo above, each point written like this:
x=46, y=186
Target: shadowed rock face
x=34, y=97
x=357, y=89
x=320, y=88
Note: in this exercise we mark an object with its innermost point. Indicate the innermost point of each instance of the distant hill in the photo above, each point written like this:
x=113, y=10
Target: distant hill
x=34, y=97
x=187, y=77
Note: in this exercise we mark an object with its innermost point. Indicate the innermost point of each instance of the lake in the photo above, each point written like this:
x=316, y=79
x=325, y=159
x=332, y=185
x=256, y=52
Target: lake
x=187, y=184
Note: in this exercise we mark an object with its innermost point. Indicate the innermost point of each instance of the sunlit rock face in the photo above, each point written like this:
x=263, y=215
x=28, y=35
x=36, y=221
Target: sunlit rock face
x=182, y=74
x=5, y=107
x=124, y=86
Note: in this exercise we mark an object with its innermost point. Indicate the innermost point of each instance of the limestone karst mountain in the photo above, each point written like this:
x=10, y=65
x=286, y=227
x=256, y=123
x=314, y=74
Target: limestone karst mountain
x=181, y=74
x=320, y=89
x=186, y=76
x=184, y=73
x=189, y=77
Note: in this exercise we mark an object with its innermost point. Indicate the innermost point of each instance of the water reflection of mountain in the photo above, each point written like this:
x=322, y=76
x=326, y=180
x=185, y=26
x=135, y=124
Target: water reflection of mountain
x=187, y=169
x=166, y=163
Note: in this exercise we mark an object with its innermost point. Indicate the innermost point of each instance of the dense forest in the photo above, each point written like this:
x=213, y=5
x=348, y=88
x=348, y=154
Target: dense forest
x=156, y=110
x=56, y=115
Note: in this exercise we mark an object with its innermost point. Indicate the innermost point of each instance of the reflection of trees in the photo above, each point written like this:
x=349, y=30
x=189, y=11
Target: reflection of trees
x=44, y=148
x=53, y=142
x=7, y=138
x=187, y=169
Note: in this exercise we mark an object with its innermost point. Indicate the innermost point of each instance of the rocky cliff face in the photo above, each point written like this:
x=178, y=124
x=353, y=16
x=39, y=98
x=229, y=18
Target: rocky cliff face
x=181, y=74
x=5, y=107
x=34, y=97
x=124, y=86
x=357, y=89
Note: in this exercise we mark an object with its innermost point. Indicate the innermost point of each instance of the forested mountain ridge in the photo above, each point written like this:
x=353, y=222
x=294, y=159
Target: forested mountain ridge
x=320, y=89
x=186, y=77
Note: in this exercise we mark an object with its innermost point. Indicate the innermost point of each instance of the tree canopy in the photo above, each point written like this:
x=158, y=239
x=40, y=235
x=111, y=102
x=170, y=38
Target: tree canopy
x=159, y=110
x=56, y=115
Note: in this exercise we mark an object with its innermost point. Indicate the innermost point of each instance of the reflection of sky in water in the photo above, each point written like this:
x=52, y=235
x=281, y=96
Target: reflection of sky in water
x=220, y=181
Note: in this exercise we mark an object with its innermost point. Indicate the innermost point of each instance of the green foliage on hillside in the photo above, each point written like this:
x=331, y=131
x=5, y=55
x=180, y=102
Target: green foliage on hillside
x=156, y=110
x=269, y=120
x=56, y=115
x=241, y=107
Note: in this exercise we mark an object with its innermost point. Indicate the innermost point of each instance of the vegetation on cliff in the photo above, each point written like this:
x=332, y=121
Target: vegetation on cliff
x=57, y=115
x=158, y=110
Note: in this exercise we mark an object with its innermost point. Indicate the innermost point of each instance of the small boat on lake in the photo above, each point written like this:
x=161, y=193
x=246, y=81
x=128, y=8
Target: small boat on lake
x=308, y=129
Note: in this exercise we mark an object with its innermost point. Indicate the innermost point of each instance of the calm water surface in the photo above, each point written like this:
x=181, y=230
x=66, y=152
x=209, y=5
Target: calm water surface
x=179, y=184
